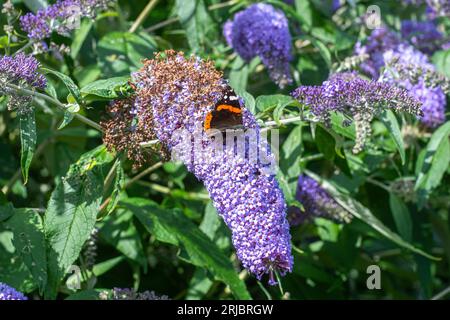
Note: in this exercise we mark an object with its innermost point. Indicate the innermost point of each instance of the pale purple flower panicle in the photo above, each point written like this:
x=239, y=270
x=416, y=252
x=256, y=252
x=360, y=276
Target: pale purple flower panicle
x=432, y=98
x=21, y=69
x=438, y=8
x=422, y=35
x=61, y=17
x=9, y=293
x=316, y=202
x=176, y=94
x=357, y=98
x=261, y=30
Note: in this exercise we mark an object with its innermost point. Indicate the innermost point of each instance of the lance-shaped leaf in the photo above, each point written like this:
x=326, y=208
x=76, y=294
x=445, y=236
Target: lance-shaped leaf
x=71, y=213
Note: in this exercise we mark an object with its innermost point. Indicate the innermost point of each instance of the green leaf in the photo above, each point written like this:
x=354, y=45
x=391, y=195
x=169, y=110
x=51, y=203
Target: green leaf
x=325, y=143
x=120, y=232
x=272, y=102
x=195, y=19
x=29, y=242
x=104, y=266
x=339, y=128
x=28, y=142
x=80, y=36
x=12, y=268
x=435, y=162
x=291, y=152
x=364, y=214
x=119, y=53
x=391, y=123
x=401, y=215
x=71, y=86
x=239, y=75
x=199, y=285
x=68, y=117
x=103, y=89
x=323, y=50
x=441, y=59
x=249, y=100
x=71, y=213
x=213, y=226
x=6, y=211
x=173, y=227
x=35, y=5
x=119, y=181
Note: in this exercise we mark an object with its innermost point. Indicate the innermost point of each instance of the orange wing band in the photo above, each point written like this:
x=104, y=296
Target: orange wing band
x=207, y=124
x=229, y=108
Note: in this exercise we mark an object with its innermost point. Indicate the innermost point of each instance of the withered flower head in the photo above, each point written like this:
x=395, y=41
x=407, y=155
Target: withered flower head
x=123, y=132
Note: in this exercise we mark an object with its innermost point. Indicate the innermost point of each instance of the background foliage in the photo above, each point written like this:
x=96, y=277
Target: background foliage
x=157, y=228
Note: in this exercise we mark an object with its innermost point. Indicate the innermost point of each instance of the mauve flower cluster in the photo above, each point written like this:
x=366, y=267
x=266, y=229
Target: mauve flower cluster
x=379, y=41
x=9, y=293
x=20, y=70
x=261, y=30
x=423, y=35
x=316, y=202
x=62, y=17
x=432, y=98
x=356, y=97
x=434, y=8
x=176, y=94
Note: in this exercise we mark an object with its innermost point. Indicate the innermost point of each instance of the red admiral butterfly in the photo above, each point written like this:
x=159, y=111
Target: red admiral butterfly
x=227, y=112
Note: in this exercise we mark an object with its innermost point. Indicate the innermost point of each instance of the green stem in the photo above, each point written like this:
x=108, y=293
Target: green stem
x=29, y=44
x=441, y=294
x=378, y=184
x=141, y=18
x=143, y=173
x=54, y=101
x=162, y=24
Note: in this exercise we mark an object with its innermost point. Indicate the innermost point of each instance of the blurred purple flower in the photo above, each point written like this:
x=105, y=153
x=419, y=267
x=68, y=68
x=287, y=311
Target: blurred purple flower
x=261, y=30
x=423, y=35
x=432, y=98
x=21, y=69
x=357, y=98
x=62, y=17
x=9, y=293
x=316, y=202
x=377, y=43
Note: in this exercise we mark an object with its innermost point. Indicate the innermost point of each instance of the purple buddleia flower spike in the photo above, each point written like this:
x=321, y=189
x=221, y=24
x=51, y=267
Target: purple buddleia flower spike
x=422, y=35
x=357, y=98
x=61, y=17
x=433, y=100
x=377, y=43
x=438, y=8
x=316, y=202
x=261, y=30
x=20, y=70
x=176, y=95
x=9, y=293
